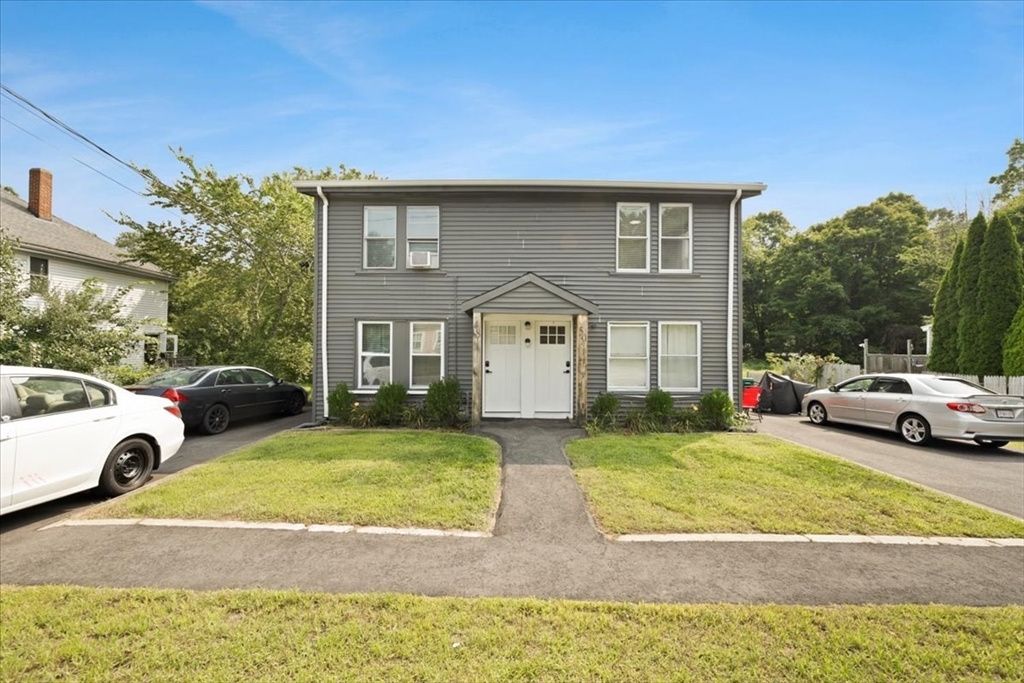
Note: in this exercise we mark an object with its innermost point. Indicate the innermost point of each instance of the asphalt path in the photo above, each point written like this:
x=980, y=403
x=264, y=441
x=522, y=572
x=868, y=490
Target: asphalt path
x=990, y=477
x=197, y=449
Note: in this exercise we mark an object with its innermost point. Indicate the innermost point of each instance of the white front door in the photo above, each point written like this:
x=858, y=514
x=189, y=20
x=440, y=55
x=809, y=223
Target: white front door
x=527, y=367
x=502, y=368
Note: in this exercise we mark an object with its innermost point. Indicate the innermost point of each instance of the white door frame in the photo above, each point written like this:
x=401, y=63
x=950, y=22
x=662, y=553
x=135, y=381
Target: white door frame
x=526, y=366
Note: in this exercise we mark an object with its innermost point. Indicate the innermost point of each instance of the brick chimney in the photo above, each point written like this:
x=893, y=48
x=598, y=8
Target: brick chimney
x=40, y=193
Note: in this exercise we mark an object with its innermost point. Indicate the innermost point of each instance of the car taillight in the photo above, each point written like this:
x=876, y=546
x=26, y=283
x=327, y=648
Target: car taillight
x=173, y=410
x=175, y=395
x=965, y=407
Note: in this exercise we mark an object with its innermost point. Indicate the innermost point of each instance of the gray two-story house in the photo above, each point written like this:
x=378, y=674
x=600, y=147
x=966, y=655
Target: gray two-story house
x=536, y=295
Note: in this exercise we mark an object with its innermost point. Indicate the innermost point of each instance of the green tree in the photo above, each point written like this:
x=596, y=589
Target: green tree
x=763, y=236
x=848, y=278
x=243, y=254
x=944, y=352
x=1013, y=346
x=1000, y=293
x=1010, y=181
x=969, y=322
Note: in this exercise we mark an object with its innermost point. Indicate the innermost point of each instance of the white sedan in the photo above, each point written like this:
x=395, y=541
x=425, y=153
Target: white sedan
x=919, y=407
x=64, y=432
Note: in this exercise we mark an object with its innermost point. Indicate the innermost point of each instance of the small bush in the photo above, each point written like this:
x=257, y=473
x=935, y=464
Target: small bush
x=443, y=405
x=686, y=420
x=659, y=406
x=361, y=417
x=639, y=422
x=389, y=405
x=716, y=411
x=606, y=407
x=124, y=375
x=414, y=417
x=340, y=402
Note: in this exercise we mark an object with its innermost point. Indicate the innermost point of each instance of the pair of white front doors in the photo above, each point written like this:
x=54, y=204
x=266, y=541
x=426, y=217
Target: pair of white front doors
x=527, y=366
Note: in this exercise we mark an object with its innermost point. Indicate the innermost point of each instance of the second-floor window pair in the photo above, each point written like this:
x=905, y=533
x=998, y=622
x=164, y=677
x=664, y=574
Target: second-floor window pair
x=633, y=231
x=381, y=237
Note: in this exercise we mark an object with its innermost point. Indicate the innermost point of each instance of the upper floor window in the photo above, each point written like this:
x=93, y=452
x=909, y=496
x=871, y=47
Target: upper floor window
x=39, y=274
x=422, y=225
x=679, y=356
x=374, y=353
x=676, y=250
x=628, y=359
x=633, y=248
x=380, y=234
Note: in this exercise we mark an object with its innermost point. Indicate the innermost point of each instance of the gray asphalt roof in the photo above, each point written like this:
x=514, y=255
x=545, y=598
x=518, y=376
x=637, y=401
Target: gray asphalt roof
x=525, y=185
x=59, y=238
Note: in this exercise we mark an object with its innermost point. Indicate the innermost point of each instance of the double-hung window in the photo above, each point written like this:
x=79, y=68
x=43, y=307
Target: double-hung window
x=679, y=356
x=675, y=251
x=39, y=275
x=380, y=234
x=628, y=356
x=427, y=354
x=633, y=247
x=422, y=225
x=374, y=354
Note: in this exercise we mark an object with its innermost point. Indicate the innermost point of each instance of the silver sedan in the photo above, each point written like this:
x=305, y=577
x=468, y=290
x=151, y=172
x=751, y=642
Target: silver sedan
x=919, y=407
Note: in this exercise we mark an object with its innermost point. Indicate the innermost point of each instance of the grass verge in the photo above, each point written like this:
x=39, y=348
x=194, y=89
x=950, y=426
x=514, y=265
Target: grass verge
x=87, y=634
x=737, y=483
x=385, y=478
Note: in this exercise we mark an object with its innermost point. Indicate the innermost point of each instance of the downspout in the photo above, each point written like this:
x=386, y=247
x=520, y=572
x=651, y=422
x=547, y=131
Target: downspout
x=731, y=298
x=323, y=299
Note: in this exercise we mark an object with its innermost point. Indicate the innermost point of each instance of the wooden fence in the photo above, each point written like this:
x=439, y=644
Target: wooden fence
x=894, y=362
x=997, y=383
x=833, y=373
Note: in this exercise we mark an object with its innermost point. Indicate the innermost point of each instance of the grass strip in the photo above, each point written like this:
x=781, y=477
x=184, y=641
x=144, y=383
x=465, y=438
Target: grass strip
x=368, y=478
x=740, y=483
x=87, y=634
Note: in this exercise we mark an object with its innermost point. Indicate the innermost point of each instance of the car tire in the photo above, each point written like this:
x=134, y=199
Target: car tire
x=215, y=419
x=990, y=443
x=127, y=467
x=817, y=414
x=296, y=402
x=915, y=430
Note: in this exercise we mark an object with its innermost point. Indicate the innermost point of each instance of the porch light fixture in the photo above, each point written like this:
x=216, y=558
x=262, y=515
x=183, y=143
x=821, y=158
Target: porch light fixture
x=527, y=324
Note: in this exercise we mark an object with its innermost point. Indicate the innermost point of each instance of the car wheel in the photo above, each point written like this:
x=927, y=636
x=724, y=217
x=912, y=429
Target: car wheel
x=127, y=468
x=296, y=402
x=215, y=419
x=990, y=443
x=915, y=430
x=817, y=413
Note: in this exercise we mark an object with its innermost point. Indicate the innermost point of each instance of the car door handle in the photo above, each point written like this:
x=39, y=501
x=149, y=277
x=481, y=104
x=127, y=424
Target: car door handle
x=104, y=419
x=225, y=391
x=7, y=438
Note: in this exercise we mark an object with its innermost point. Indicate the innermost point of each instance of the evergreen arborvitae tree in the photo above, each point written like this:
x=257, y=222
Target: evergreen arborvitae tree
x=1013, y=346
x=944, y=352
x=1000, y=292
x=969, y=321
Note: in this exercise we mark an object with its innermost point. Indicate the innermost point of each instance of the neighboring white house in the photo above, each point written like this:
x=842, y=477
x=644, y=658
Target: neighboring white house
x=55, y=253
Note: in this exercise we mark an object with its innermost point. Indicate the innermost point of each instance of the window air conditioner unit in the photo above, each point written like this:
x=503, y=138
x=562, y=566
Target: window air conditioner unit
x=421, y=259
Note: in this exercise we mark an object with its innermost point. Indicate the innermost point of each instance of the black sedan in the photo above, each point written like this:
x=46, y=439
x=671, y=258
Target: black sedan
x=210, y=397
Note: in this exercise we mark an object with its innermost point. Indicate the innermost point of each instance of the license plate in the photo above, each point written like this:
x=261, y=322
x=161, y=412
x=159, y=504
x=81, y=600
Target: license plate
x=1004, y=412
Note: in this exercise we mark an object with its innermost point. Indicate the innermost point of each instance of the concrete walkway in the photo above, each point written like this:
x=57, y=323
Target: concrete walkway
x=545, y=545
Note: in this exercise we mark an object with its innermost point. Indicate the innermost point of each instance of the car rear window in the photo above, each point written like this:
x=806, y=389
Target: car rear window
x=174, y=378
x=953, y=386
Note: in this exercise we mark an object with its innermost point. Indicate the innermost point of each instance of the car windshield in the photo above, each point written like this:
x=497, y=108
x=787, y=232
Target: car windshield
x=952, y=386
x=178, y=377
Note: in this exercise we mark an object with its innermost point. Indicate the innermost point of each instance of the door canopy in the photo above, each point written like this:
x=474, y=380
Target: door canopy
x=528, y=293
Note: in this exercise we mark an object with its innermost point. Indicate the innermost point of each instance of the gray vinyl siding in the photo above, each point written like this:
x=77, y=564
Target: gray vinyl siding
x=487, y=240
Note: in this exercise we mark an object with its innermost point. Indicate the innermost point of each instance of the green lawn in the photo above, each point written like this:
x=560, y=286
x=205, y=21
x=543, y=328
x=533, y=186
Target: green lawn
x=381, y=478
x=87, y=634
x=758, y=484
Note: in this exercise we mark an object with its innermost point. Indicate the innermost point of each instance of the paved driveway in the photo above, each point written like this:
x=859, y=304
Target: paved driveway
x=993, y=478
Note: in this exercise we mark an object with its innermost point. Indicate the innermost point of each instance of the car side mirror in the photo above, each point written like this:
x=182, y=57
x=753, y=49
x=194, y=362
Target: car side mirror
x=278, y=381
x=833, y=388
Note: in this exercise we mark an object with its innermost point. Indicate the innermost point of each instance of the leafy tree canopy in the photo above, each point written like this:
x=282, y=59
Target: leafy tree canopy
x=1010, y=181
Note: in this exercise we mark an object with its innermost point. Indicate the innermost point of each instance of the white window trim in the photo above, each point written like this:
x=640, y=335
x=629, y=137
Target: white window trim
x=360, y=353
x=608, y=355
x=647, y=236
x=437, y=238
x=425, y=355
x=366, y=210
x=662, y=238
x=661, y=326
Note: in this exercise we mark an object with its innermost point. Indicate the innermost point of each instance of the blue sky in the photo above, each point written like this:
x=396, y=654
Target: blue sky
x=830, y=104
